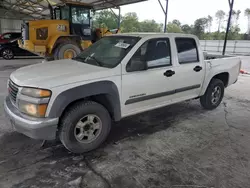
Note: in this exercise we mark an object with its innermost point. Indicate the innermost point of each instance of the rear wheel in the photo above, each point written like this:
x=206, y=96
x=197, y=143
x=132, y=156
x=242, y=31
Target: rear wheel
x=84, y=127
x=7, y=54
x=214, y=95
x=66, y=50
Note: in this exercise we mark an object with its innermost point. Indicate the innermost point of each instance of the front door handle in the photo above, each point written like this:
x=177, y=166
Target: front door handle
x=197, y=69
x=169, y=73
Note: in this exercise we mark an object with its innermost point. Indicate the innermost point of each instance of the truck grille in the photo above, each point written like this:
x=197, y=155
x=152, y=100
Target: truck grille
x=13, y=90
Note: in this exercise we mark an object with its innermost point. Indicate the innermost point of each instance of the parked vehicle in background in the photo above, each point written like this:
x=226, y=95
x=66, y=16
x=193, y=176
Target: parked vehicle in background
x=10, y=49
x=118, y=76
x=6, y=37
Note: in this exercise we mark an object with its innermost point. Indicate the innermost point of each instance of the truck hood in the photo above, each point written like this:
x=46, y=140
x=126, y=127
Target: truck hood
x=56, y=73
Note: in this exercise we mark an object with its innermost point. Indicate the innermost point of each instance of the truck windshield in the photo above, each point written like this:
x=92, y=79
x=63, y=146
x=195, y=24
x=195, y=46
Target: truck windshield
x=108, y=51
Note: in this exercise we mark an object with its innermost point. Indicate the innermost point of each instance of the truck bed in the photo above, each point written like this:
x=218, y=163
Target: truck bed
x=226, y=64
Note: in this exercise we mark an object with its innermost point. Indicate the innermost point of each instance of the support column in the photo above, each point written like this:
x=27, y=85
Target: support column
x=165, y=11
x=231, y=4
x=119, y=18
x=166, y=17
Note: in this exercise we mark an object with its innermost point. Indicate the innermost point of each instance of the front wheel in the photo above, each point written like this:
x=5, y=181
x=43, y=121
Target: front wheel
x=84, y=127
x=214, y=95
x=66, y=50
x=7, y=54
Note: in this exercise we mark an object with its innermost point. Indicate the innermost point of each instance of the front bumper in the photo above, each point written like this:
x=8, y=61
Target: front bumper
x=37, y=128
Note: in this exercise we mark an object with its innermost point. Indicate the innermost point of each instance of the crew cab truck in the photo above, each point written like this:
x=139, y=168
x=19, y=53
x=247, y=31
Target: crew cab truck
x=118, y=76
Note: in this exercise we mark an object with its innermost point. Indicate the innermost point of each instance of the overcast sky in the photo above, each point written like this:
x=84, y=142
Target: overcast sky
x=187, y=11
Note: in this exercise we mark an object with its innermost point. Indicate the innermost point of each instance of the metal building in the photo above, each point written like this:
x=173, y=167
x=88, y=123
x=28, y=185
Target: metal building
x=10, y=21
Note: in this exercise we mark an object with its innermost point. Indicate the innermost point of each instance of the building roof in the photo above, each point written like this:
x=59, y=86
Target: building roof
x=40, y=9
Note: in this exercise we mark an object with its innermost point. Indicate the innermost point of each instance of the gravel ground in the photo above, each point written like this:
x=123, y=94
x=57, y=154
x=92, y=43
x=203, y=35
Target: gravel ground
x=179, y=146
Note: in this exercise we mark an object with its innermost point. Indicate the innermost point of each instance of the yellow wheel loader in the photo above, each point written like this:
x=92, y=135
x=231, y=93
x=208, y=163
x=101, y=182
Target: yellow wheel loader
x=64, y=36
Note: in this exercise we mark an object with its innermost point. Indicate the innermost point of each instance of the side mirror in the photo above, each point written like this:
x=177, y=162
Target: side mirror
x=136, y=65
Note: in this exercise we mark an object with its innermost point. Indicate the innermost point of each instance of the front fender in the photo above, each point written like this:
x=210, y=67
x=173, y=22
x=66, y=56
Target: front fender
x=53, y=40
x=102, y=87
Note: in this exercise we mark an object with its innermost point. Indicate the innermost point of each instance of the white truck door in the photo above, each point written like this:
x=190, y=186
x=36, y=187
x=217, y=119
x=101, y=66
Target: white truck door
x=147, y=77
x=189, y=70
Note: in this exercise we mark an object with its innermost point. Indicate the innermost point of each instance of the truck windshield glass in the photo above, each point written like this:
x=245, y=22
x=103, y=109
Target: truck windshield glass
x=57, y=13
x=80, y=15
x=107, y=52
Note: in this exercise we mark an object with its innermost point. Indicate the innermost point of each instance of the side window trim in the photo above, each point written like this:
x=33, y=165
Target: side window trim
x=158, y=66
x=197, y=52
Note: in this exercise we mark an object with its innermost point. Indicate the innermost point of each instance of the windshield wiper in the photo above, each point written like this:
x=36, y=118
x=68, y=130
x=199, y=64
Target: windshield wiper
x=85, y=59
x=82, y=59
x=97, y=61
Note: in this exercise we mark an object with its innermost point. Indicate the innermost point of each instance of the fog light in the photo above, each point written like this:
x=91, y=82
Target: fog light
x=36, y=110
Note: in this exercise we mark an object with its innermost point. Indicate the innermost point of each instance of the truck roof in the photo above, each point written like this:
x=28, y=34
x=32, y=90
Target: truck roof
x=142, y=35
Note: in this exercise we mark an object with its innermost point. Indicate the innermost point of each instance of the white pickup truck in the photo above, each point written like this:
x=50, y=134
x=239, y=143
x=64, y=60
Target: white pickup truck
x=118, y=76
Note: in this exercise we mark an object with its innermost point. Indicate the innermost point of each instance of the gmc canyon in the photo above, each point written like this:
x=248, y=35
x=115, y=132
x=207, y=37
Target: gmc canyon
x=118, y=76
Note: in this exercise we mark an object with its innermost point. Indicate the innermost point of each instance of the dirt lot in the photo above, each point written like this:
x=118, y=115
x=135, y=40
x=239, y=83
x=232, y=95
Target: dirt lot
x=179, y=146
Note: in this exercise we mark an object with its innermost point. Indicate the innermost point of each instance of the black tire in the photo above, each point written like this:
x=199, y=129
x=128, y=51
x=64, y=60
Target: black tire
x=7, y=53
x=207, y=99
x=70, y=119
x=61, y=48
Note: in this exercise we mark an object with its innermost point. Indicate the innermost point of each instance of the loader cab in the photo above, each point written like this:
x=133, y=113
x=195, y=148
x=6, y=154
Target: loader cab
x=79, y=17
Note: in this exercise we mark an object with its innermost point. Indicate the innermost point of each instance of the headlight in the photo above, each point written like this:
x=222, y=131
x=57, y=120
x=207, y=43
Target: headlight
x=37, y=93
x=36, y=110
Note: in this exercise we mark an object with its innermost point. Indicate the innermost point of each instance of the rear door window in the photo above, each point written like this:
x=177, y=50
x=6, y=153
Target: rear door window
x=187, y=50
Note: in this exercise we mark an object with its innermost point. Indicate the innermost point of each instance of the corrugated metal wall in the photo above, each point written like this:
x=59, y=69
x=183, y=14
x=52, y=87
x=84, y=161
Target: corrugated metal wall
x=11, y=20
x=10, y=25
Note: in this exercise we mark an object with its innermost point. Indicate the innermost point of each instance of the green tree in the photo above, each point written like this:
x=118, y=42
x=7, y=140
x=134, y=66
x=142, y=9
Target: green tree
x=200, y=26
x=247, y=13
x=173, y=28
x=176, y=22
x=130, y=23
x=237, y=17
x=150, y=26
x=220, y=15
x=187, y=28
x=234, y=33
x=105, y=18
x=210, y=22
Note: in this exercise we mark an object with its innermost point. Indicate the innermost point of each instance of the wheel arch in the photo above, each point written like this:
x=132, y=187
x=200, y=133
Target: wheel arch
x=103, y=92
x=223, y=76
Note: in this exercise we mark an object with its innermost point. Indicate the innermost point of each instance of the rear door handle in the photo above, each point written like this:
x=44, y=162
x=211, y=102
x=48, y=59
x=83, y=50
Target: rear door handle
x=169, y=73
x=197, y=69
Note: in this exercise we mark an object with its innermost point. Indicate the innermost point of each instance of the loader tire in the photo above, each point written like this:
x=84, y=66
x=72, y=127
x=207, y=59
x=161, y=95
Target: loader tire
x=66, y=50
